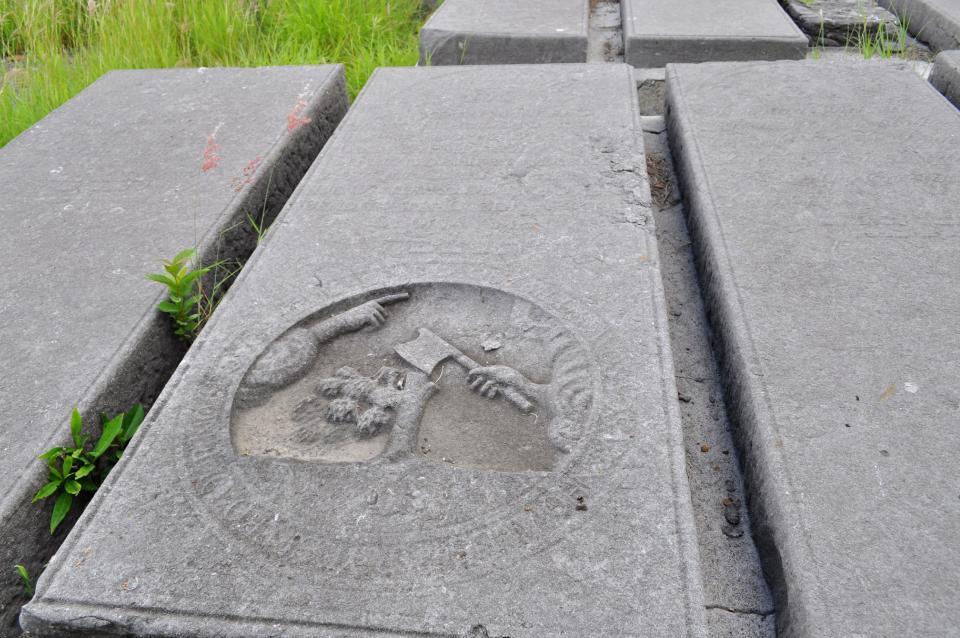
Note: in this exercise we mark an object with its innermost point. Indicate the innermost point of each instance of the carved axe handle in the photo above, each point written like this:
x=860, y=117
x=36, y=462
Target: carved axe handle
x=518, y=400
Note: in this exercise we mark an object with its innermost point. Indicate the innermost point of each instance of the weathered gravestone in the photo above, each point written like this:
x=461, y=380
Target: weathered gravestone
x=843, y=22
x=138, y=167
x=656, y=33
x=506, y=32
x=945, y=75
x=833, y=279
x=441, y=395
x=936, y=22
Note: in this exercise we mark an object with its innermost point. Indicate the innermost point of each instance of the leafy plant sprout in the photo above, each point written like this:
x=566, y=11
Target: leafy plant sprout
x=183, y=292
x=25, y=578
x=189, y=302
x=76, y=469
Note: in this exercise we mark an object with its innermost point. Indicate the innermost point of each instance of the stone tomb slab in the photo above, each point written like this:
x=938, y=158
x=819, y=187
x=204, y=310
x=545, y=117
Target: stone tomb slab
x=835, y=297
x=136, y=168
x=656, y=33
x=936, y=22
x=506, y=32
x=945, y=75
x=440, y=396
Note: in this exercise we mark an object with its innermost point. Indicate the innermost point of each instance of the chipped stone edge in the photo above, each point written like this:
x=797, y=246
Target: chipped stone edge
x=151, y=350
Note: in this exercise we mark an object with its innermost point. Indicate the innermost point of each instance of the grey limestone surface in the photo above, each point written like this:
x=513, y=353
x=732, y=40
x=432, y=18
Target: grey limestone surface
x=137, y=167
x=650, y=87
x=945, y=75
x=834, y=296
x=505, y=32
x=735, y=624
x=656, y=33
x=936, y=22
x=441, y=394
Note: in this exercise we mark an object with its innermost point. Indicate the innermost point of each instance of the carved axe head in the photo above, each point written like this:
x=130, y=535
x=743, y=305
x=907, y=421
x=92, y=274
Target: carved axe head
x=426, y=351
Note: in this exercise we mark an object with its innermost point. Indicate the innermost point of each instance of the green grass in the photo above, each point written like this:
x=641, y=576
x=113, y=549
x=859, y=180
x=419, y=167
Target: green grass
x=52, y=49
x=881, y=43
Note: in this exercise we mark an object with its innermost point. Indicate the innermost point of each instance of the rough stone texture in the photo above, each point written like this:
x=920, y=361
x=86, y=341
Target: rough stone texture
x=853, y=57
x=605, y=34
x=505, y=32
x=650, y=87
x=656, y=33
x=834, y=297
x=505, y=209
x=729, y=624
x=841, y=22
x=936, y=22
x=92, y=198
x=732, y=575
x=946, y=75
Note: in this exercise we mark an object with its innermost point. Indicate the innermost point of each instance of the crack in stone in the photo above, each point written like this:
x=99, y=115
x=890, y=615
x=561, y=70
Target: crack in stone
x=745, y=612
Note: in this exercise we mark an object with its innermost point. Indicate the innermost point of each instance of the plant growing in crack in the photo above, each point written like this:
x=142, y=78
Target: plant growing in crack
x=189, y=302
x=183, y=295
x=25, y=579
x=80, y=468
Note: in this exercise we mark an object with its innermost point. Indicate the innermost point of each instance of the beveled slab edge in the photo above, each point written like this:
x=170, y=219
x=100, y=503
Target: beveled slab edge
x=443, y=47
x=927, y=23
x=776, y=518
x=686, y=528
x=151, y=352
x=945, y=75
x=655, y=51
x=67, y=619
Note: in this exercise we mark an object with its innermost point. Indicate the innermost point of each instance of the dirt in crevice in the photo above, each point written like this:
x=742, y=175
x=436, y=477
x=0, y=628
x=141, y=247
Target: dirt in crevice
x=737, y=598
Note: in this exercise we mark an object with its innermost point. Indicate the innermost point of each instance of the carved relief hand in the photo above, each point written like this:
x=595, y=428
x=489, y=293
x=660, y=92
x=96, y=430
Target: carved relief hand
x=489, y=381
x=485, y=380
x=370, y=313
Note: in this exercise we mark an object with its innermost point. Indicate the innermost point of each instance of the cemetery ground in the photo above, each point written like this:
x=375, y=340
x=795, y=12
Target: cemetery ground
x=480, y=318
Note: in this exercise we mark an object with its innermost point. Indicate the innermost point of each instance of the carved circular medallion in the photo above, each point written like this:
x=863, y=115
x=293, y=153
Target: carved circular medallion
x=451, y=373
x=402, y=429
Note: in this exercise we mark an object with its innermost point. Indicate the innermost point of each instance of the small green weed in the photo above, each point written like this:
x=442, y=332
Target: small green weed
x=188, y=303
x=25, y=577
x=183, y=294
x=78, y=469
x=883, y=43
x=258, y=226
x=818, y=50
